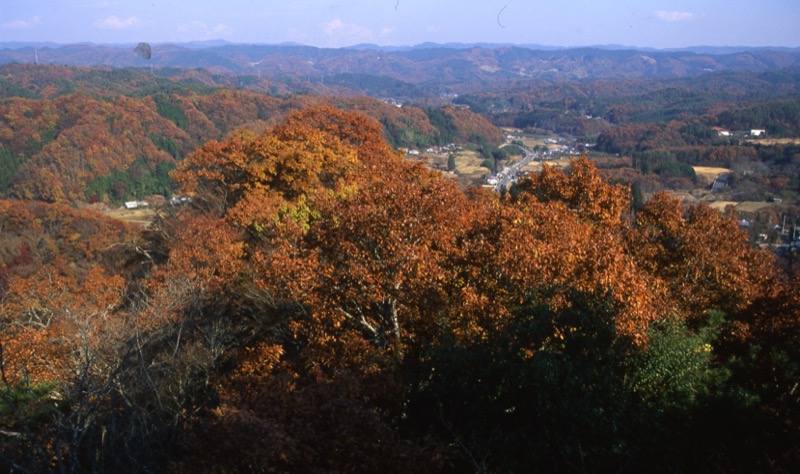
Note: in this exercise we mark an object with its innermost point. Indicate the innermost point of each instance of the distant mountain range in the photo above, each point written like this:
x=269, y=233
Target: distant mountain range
x=440, y=68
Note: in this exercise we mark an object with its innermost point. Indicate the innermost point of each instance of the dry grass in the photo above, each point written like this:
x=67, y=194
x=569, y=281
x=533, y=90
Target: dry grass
x=745, y=206
x=751, y=206
x=141, y=217
x=721, y=205
x=776, y=141
x=683, y=196
x=709, y=172
x=536, y=166
x=469, y=163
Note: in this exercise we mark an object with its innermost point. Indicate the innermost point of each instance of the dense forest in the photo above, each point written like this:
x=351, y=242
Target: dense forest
x=323, y=305
x=735, y=100
x=83, y=134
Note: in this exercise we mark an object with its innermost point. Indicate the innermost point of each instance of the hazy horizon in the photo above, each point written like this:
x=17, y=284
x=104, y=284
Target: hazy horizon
x=222, y=41
x=657, y=24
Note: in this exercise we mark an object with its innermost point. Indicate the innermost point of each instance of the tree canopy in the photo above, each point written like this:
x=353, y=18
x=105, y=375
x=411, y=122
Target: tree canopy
x=323, y=305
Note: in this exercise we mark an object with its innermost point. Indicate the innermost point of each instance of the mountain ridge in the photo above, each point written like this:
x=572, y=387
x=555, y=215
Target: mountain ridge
x=435, y=68
x=700, y=48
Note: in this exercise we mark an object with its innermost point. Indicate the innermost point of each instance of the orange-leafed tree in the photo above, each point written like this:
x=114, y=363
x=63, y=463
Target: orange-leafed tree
x=257, y=179
x=582, y=189
x=342, y=240
x=700, y=256
x=578, y=220
x=370, y=262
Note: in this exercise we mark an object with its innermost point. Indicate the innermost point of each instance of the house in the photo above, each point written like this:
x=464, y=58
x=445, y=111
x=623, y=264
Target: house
x=135, y=204
x=392, y=101
x=178, y=200
x=757, y=133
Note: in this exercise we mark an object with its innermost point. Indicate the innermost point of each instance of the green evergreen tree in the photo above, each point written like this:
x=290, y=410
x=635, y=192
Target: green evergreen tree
x=637, y=198
x=451, y=163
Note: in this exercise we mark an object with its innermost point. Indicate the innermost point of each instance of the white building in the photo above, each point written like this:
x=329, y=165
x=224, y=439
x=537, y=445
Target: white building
x=135, y=204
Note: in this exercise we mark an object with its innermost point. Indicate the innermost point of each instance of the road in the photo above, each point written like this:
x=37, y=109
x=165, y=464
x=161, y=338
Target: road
x=510, y=175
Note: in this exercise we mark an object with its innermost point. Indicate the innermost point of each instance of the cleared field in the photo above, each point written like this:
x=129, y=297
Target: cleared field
x=745, y=206
x=529, y=140
x=682, y=195
x=721, y=205
x=751, y=206
x=142, y=217
x=776, y=141
x=536, y=166
x=469, y=163
x=709, y=172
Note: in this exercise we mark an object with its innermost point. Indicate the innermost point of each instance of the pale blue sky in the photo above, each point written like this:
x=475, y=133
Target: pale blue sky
x=335, y=23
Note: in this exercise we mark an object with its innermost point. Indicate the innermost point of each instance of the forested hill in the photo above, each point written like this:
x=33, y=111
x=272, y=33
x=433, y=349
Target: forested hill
x=430, y=68
x=70, y=134
x=324, y=305
x=586, y=108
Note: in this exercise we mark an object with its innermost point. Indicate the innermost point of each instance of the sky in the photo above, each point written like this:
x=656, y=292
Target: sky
x=339, y=23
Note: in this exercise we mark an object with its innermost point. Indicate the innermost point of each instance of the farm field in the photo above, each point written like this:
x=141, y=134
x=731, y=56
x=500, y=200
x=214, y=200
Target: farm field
x=709, y=172
x=141, y=217
x=744, y=206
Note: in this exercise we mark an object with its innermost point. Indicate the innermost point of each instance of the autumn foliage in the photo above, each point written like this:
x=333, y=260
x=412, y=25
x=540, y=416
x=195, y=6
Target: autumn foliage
x=322, y=305
x=74, y=135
